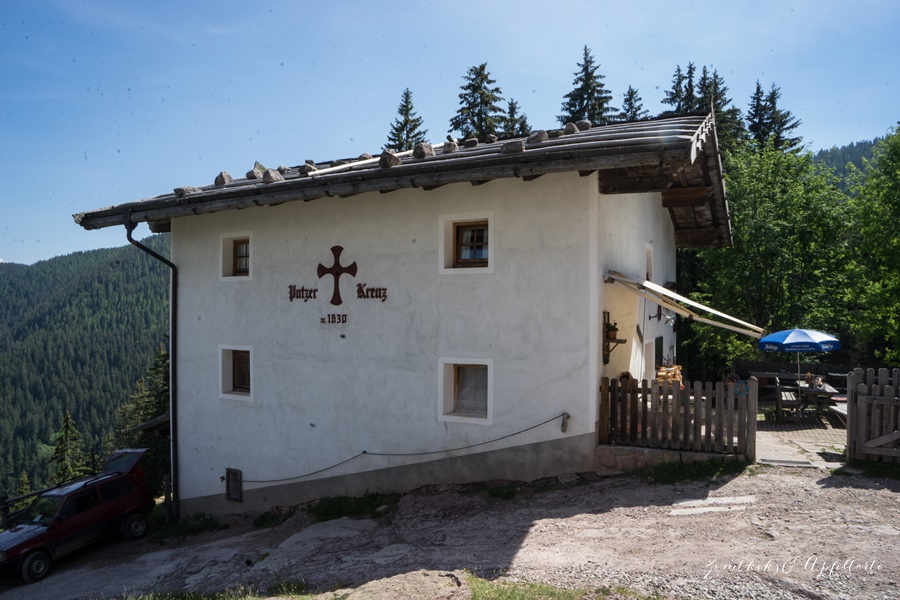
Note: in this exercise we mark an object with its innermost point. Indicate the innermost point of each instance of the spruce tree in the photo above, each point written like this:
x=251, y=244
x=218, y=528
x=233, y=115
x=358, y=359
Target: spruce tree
x=514, y=124
x=632, y=108
x=675, y=96
x=406, y=130
x=479, y=113
x=689, y=99
x=757, y=121
x=589, y=99
x=767, y=122
x=23, y=487
x=68, y=452
x=782, y=123
x=712, y=93
x=150, y=400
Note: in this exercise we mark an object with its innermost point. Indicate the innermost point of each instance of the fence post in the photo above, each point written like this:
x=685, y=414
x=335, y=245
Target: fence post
x=752, y=405
x=603, y=413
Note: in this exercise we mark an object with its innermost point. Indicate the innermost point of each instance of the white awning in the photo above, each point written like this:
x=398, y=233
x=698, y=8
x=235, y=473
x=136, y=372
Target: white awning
x=672, y=301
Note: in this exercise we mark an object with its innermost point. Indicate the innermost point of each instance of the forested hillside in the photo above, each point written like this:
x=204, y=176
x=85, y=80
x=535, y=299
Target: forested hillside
x=76, y=334
x=838, y=158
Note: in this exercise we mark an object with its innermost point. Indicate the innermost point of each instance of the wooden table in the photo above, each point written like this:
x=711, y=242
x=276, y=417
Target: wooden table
x=814, y=394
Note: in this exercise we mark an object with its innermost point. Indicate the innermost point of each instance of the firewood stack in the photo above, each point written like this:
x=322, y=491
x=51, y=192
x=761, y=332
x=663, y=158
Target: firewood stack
x=671, y=375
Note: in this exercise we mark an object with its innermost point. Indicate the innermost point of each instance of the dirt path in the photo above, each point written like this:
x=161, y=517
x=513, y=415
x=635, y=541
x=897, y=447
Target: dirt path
x=773, y=531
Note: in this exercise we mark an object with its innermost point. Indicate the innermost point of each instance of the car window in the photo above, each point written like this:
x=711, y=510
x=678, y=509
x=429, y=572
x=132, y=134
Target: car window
x=78, y=503
x=40, y=511
x=116, y=488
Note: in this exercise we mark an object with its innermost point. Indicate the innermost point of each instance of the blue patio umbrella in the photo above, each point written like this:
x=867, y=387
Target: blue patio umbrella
x=799, y=340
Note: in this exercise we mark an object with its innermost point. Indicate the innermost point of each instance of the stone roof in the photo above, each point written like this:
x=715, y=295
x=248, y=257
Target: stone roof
x=677, y=157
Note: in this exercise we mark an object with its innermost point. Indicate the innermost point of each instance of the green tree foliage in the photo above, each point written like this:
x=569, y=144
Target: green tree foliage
x=515, y=124
x=76, y=333
x=67, y=460
x=406, y=130
x=632, y=108
x=23, y=488
x=712, y=93
x=149, y=400
x=589, y=99
x=786, y=268
x=480, y=114
x=875, y=292
x=847, y=161
x=766, y=122
x=675, y=96
x=708, y=93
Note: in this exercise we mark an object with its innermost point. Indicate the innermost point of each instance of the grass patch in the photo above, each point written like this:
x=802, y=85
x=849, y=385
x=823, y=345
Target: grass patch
x=504, y=590
x=503, y=492
x=289, y=589
x=236, y=594
x=272, y=518
x=867, y=468
x=337, y=507
x=194, y=524
x=669, y=473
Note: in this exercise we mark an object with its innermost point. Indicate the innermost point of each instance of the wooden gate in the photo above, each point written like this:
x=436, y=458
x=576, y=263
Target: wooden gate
x=873, y=415
x=701, y=417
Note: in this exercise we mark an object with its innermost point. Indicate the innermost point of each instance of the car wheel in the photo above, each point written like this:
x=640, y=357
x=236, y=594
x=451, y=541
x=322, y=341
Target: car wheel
x=36, y=566
x=135, y=526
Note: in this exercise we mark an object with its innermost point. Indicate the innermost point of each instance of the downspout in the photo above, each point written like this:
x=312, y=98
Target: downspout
x=173, y=362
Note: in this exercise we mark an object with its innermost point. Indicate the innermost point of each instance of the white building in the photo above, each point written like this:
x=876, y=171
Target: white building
x=331, y=338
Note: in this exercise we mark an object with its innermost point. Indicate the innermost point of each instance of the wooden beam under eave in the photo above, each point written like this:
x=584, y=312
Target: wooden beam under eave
x=697, y=238
x=685, y=198
x=160, y=226
x=628, y=186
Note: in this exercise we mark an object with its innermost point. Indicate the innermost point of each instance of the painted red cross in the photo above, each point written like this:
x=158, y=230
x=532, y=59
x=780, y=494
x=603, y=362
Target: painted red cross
x=336, y=270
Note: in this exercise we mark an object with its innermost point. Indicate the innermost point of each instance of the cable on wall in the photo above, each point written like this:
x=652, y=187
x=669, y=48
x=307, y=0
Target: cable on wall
x=564, y=416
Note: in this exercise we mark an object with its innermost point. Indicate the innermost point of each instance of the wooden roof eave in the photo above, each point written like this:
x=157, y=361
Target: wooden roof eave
x=163, y=208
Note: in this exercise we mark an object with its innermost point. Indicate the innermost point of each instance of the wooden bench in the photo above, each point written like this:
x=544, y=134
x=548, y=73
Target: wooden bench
x=840, y=411
x=786, y=401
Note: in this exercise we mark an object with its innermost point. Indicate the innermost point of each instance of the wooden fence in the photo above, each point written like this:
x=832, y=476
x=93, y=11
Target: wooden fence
x=701, y=417
x=873, y=415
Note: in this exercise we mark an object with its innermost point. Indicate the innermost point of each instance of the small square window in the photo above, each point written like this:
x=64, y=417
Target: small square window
x=470, y=245
x=235, y=253
x=470, y=390
x=465, y=244
x=241, y=258
x=236, y=372
x=240, y=371
x=465, y=387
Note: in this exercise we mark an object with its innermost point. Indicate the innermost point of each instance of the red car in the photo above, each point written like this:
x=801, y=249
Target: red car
x=76, y=513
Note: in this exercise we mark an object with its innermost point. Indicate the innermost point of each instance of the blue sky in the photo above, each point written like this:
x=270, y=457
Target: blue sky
x=104, y=101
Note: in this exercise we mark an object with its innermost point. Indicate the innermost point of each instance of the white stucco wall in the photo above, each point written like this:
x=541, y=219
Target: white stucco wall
x=323, y=393
x=631, y=226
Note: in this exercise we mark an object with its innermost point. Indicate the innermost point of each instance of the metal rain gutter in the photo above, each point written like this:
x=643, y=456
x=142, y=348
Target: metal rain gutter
x=173, y=356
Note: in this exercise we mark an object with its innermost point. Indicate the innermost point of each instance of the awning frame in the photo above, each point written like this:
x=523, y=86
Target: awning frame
x=670, y=300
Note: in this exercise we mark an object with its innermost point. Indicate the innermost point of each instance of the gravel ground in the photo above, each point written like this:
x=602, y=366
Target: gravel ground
x=772, y=532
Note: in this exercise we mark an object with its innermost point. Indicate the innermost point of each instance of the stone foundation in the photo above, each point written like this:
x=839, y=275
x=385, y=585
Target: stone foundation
x=627, y=458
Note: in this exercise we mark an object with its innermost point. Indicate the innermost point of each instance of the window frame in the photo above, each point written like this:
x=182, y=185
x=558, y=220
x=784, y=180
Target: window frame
x=237, y=270
x=228, y=372
x=451, y=227
x=474, y=245
x=448, y=378
x=228, y=256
